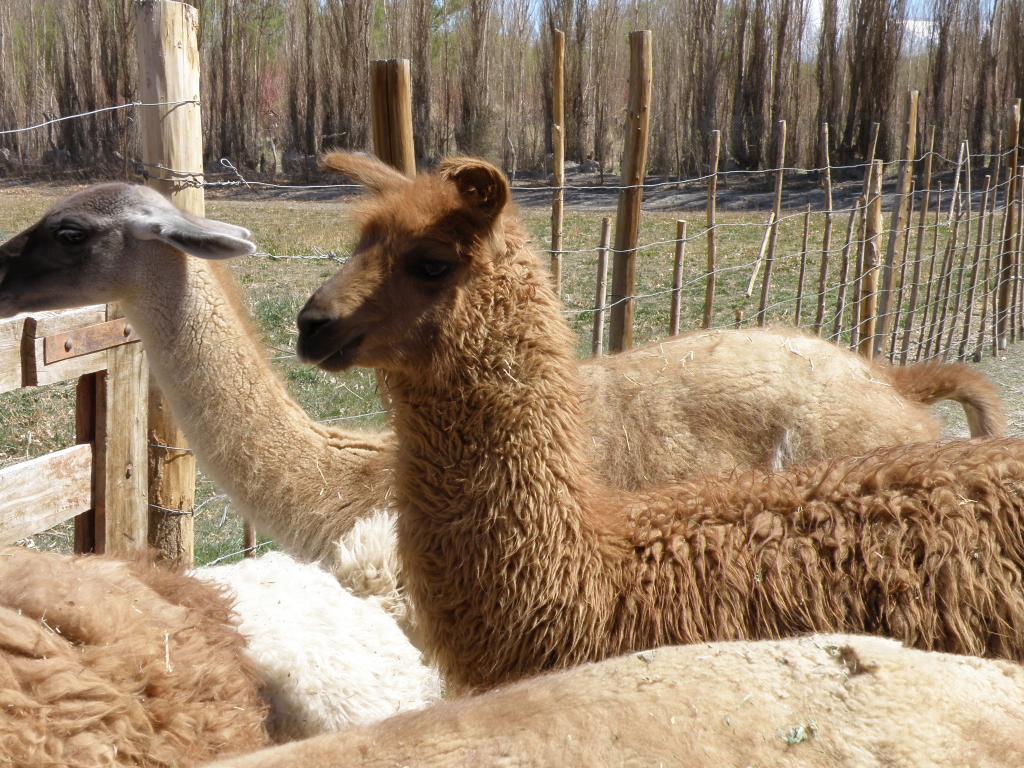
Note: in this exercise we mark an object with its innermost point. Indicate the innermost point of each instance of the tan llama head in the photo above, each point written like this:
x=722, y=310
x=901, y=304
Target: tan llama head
x=99, y=245
x=424, y=246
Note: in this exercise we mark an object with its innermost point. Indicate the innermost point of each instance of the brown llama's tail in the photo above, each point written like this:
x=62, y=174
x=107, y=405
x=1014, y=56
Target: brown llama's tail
x=930, y=382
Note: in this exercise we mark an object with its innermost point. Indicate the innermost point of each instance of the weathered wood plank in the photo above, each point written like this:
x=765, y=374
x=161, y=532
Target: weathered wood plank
x=40, y=493
x=11, y=331
x=121, y=472
x=36, y=373
x=83, y=341
x=49, y=323
x=34, y=370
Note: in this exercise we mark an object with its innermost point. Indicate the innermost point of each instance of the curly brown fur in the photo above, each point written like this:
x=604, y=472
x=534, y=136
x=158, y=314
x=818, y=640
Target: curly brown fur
x=106, y=663
x=826, y=701
x=519, y=560
x=931, y=382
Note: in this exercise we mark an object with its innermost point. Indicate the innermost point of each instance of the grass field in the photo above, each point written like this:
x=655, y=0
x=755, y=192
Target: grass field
x=34, y=422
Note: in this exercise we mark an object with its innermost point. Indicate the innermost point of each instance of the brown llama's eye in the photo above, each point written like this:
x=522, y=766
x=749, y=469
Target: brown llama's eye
x=429, y=269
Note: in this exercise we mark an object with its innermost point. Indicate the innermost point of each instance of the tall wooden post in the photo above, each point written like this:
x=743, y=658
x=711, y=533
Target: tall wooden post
x=915, y=280
x=558, y=150
x=391, y=110
x=826, y=241
x=677, y=279
x=891, y=266
x=803, y=269
x=1010, y=225
x=869, y=275
x=597, y=342
x=709, y=292
x=634, y=166
x=773, y=231
x=965, y=339
x=171, y=138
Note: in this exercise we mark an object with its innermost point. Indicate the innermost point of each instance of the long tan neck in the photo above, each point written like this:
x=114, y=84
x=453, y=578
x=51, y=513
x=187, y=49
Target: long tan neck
x=297, y=481
x=495, y=495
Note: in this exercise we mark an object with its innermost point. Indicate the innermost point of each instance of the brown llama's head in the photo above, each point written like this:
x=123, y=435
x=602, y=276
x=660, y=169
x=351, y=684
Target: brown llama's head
x=428, y=247
x=104, y=244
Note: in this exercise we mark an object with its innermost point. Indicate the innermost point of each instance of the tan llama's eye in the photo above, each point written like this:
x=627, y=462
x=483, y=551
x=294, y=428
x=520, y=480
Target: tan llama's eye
x=70, y=235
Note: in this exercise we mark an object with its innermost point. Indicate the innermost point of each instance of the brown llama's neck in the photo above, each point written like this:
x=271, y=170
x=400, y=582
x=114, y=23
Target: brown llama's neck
x=495, y=491
x=299, y=482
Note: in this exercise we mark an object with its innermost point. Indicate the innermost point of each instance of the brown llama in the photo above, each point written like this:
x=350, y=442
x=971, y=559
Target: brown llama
x=824, y=701
x=518, y=559
x=107, y=663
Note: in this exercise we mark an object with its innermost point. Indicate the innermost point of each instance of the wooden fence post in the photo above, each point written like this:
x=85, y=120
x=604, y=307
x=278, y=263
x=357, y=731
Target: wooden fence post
x=773, y=232
x=965, y=339
x=168, y=56
x=1006, y=254
x=803, y=268
x=677, y=279
x=891, y=266
x=1019, y=251
x=844, y=272
x=869, y=275
x=558, y=151
x=945, y=276
x=987, y=285
x=597, y=343
x=915, y=281
x=928, y=305
x=903, y=276
x=123, y=525
x=826, y=241
x=963, y=254
x=858, y=275
x=391, y=113
x=709, y=292
x=634, y=165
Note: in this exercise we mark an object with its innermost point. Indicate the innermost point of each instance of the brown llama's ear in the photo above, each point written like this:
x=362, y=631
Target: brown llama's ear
x=482, y=186
x=365, y=169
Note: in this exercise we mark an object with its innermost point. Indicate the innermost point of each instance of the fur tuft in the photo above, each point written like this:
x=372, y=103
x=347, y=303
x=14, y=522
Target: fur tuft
x=106, y=663
x=931, y=382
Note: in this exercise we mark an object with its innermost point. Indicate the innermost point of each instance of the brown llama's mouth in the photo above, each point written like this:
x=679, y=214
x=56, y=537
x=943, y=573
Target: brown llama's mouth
x=343, y=359
x=325, y=351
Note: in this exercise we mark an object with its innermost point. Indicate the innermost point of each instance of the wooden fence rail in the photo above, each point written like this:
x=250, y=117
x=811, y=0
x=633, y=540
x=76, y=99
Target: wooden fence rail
x=102, y=480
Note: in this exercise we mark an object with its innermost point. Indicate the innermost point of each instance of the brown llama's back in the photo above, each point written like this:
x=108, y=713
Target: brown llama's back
x=923, y=543
x=106, y=663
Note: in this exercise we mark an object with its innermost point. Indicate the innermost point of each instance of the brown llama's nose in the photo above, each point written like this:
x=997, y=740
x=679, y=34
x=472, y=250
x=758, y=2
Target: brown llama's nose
x=311, y=319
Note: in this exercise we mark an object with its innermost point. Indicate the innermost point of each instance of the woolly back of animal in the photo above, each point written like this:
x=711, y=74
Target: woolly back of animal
x=105, y=663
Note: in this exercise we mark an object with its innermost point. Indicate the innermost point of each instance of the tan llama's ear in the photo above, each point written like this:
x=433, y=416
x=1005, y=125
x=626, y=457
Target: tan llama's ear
x=364, y=169
x=194, y=235
x=482, y=186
